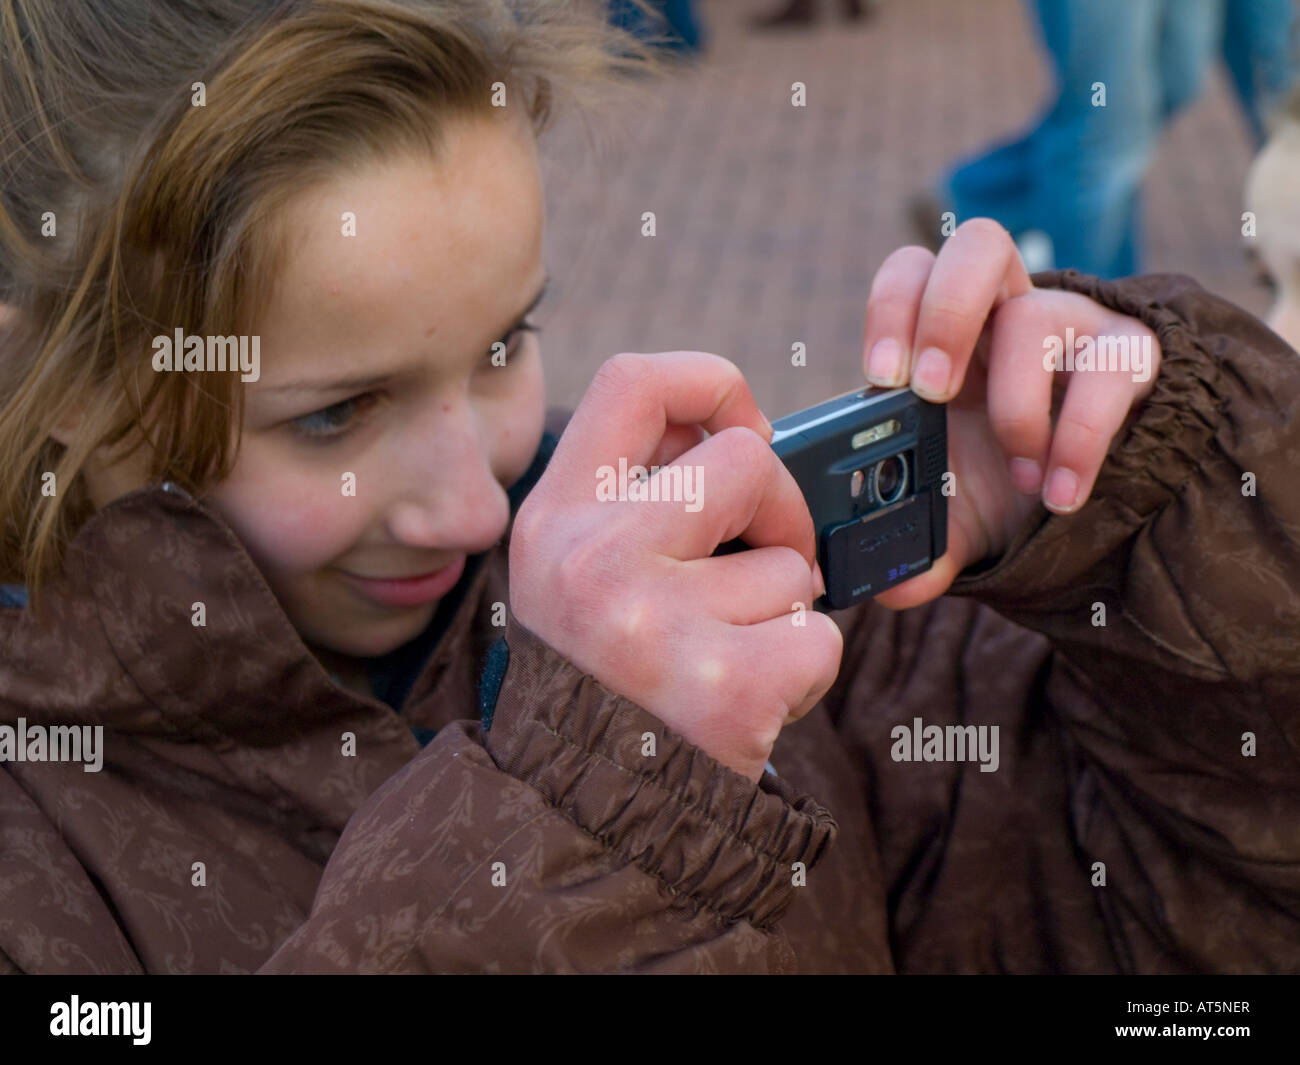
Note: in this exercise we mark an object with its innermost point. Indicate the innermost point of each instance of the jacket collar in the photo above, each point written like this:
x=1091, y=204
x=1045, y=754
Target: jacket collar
x=119, y=646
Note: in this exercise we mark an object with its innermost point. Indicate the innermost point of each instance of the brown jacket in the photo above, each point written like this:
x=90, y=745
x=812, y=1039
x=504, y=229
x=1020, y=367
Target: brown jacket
x=549, y=841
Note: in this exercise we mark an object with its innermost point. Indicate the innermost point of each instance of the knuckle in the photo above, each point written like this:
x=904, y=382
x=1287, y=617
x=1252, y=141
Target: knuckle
x=581, y=573
x=945, y=315
x=732, y=377
x=899, y=272
x=791, y=573
x=631, y=633
x=1021, y=315
x=635, y=621
x=1019, y=427
x=791, y=565
x=633, y=639
x=1083, y=430
x=530, y=521
x=715, y=675
x=893, y=300
x=744, y=449
x=620, y=374
x=725, y=366
x=911, y=257
x=768, y=731
x=985, y=227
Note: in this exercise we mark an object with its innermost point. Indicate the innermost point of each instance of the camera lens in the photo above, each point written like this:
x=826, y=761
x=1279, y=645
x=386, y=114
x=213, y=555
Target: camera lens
x=890, y=479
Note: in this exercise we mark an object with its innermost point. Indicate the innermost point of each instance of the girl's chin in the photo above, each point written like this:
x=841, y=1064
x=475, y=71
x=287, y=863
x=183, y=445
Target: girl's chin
x=368, y=637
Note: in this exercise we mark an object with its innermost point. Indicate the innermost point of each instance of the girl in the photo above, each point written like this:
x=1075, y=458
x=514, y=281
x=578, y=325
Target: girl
x=333, y=737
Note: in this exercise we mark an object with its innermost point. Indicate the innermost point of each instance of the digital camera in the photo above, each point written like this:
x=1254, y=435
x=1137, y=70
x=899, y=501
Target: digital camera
x=871, y=466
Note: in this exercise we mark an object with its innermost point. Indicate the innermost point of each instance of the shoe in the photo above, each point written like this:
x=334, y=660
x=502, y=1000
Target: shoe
x=925, y=214
x=804, y=13
x=795, y=13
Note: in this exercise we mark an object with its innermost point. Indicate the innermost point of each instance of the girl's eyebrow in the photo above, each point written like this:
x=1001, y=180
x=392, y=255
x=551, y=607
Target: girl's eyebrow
x=537, y=299
x=363, y=381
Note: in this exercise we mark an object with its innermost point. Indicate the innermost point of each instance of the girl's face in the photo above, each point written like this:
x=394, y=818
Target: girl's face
x=380, y=439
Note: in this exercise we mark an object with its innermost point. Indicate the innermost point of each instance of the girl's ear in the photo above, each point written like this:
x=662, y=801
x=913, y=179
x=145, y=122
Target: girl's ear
x=67, y=429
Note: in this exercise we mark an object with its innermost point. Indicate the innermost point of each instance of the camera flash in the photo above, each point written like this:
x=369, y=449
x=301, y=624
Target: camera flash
x=877, y=432
x=856, y=483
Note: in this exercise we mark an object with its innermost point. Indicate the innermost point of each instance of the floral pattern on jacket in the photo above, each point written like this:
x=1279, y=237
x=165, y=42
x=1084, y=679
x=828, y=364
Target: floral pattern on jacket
x=549, y=842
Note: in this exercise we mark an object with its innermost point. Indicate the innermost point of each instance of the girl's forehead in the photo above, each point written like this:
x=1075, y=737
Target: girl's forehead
x=407, y=233
x=392, y=270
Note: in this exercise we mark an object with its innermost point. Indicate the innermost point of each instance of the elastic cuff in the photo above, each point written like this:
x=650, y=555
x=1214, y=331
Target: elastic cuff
x=656, y=800
x=1148, y=463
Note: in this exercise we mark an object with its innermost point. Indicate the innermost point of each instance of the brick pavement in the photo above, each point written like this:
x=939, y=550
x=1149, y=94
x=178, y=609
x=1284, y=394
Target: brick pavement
x=771, y=220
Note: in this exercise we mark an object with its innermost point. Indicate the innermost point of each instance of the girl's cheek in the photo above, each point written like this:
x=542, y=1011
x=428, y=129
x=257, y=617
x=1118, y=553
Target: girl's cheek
x=294, y=523
x=520, y=422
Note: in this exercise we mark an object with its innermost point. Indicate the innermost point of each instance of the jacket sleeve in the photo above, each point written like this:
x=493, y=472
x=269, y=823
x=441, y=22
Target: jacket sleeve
x=576, y=834
x=52, y=916
x=1172, y=602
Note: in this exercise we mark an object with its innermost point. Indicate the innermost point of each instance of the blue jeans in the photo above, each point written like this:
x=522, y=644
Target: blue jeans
x=1078, y=173
x=1259, y=50
x=679, y=23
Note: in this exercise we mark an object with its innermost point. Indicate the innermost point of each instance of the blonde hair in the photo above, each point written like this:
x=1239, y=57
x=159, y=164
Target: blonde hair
x=165, y=212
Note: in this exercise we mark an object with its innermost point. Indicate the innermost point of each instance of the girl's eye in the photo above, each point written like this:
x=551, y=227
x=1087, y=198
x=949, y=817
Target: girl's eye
x=332, y=421
x=511, y=341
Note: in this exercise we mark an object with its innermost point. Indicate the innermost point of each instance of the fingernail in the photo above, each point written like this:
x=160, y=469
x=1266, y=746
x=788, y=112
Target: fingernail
x=1062, y=490
x=767, y=423
x=1027, y=476
x=817, y=577
x=885, y=362
x=932, y=374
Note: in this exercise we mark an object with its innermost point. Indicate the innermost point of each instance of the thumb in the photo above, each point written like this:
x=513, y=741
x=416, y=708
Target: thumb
x=935, y=581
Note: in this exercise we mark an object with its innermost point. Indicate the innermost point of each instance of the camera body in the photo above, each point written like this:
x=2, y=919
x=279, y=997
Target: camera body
x=870, y=464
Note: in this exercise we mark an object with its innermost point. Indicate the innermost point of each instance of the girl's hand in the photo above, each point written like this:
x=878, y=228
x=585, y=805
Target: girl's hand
x=970, y=329
x=627, y=590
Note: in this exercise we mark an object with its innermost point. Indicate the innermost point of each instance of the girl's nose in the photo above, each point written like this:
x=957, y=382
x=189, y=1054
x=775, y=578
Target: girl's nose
x=446, y=495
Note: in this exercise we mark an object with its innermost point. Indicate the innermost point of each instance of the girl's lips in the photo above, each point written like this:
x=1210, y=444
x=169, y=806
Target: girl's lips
x=410, y=591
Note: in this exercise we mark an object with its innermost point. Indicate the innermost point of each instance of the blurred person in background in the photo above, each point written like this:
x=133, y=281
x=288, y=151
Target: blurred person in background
x=1259, y=50
x=676, y=27
x=1271, y=197
x=1069, y=188
x=804, y=13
